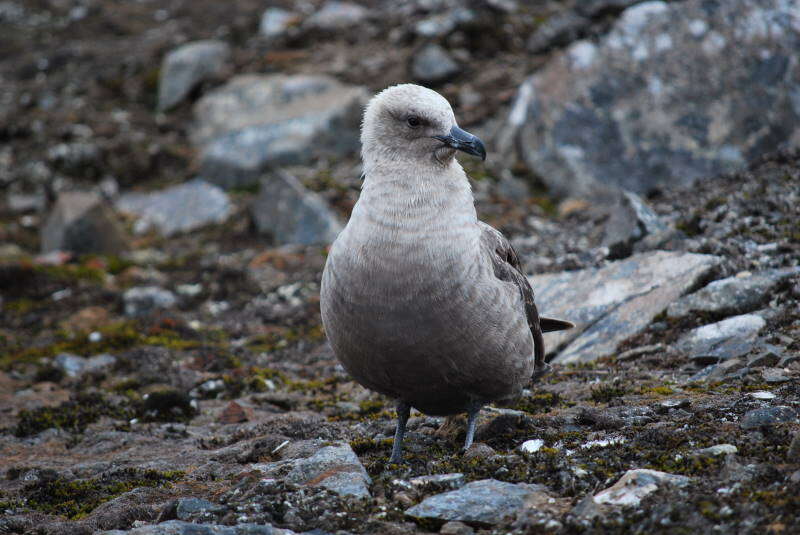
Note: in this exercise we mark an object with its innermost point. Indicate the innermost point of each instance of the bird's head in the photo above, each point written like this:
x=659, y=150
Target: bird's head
x=414, y=122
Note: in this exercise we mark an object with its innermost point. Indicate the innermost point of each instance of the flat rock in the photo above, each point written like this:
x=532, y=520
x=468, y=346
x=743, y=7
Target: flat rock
x=337, y=16
x=290, y=213
x=188, y=65
x=650, y=103
x=726, y=339
x=480, y=503
x=178, y=209
x=259, y=121
x=335, y=467
x=612, y=303
x=433, y=65
x=733, y=295
x=767, y=417
x=718, y=449
x=635, y=485
x=275, y=21
x=82, y=223
x=179, y=527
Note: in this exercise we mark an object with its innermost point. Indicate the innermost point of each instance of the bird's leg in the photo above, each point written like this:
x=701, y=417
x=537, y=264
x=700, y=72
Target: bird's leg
x=472, y=418
x=403, y=411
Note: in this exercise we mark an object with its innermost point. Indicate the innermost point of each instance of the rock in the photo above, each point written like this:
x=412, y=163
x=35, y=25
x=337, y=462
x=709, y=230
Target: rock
x=186, y=66
x=82, y=223
x=178, y=209
x=793, y=452
x=774, y=375
x=335, y=467
x=558, y=30
x=731, y=337
x=770, y=355
x=258, y=121
x=179, y=527
x=718, y=449
x=480, y=503
x=442, y=24
x=99, y=362
x=718, y=372
x=532, y=446
x=292, y=214
x=636, y=484
x=72, y=365
x=630, y=221
x=478, y=450
x=438, y=481
x=627, y=111
x=275, y=21
x=433, y=65
x=768, y=416
x=734, y=295
x=185, y=508
x=763, y=395
x=143, y=300
x=78, y=158
x=337, y=16
x=612, y=303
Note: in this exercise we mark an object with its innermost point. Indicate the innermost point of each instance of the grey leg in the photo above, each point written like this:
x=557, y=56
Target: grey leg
x=472, y=418
x=403, y=411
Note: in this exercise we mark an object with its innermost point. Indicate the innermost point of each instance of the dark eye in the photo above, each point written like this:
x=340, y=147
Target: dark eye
x=413, y=121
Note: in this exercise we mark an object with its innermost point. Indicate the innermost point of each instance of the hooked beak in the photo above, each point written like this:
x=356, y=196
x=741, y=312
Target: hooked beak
x=464, y=141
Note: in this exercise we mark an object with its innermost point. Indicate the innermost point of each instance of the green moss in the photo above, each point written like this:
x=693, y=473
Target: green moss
x=605, y=393
x=538, y=402
x=20, y=306
x=658, y=390
x=73, y=415
x=166, y=405
x=76, y=499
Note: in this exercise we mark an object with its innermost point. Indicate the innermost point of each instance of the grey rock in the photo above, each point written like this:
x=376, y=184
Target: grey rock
x=455, y=528
x=650, y=102
x=560, y=29
x=438, y=481
x=100, y=362
x=255, y=122
x=83, y=223
x=80, y=158
x=178, y=209
x=179, y=527
x=769, y=355
x=793, y=452
x=717, y=372
x=72, y=365
x=718, y=449
x=23, y=202
x=594, y=8
x=767, y=416
x=336, y=15
x=292, y=214
x=480, y=503
x=636, y=484
x=275, y=21
x=615, y=302
x=433, y=65
x=143, y=300
x=442, y=24
x=188, y=65
x=630, y=221
x=774, y=375
x=185, y=508
x=733, y=295
x=723, y=340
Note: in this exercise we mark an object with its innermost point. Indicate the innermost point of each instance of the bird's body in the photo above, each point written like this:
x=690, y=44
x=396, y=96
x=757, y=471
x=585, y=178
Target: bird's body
x=420, y=300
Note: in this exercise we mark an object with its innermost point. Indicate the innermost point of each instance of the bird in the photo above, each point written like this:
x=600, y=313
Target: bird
x=420, y=300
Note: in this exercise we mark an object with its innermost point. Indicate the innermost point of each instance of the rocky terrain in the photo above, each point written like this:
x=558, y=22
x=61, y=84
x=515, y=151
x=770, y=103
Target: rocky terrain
x=172, y=172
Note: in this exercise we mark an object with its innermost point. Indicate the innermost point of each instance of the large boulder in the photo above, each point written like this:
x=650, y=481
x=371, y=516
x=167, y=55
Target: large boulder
x=673, y=92
x=255, y=122
x=82, y=223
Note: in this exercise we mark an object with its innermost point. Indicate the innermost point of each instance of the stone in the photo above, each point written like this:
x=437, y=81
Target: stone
x=480, y=503
x=718, y=449
x=763, y=395
x=275, y=21
x=630, y=221
x=337, y=16
x=185, y=67
x=71, y=365
x=143, y=300
x=438, y=481
x=636, y=484
x=733, y=295
x=649, y=104
x=532, y=446
x=186, y=508
x=615, y=302
x=99, y=362
x=793, y=451
x=455, y=528
x=179, y=527
x=444, y=23
x=83, y=223
x=767, y=417
x=558, y=30
x=255, y=122
x=290, y=213
x=334, y=467
x=433, y=65
x=769, y=355
x=774, y=375
x=729, y=338
x=178, y=209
